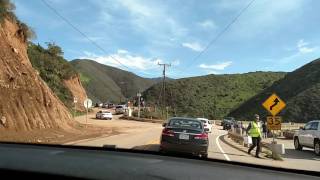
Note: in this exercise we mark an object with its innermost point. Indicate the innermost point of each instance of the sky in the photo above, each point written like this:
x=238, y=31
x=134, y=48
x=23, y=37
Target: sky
x=270, y=35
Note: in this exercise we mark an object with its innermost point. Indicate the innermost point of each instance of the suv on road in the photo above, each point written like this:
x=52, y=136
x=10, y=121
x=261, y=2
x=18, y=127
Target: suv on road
x=308, y=136
x=229, y=123
x=226, y=119
x=120, y=109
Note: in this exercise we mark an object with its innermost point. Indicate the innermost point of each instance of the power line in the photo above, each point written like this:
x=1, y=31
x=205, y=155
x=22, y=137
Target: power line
x=220, y=34
x=83, y=34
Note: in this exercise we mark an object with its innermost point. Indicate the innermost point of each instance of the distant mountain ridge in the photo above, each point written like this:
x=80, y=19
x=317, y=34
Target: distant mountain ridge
x=300, y=90
x=105, y=83
x=211, y=96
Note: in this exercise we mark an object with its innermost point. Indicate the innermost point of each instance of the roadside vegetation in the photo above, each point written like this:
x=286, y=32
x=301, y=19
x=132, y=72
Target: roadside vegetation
x=53, y=69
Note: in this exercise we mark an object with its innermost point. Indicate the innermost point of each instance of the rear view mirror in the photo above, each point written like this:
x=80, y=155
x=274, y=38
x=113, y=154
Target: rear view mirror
x=164, y=124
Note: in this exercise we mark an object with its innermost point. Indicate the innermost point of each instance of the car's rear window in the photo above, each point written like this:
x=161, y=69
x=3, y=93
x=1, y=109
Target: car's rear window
x=203, y=121
x=105, y=112
x=119, y=107
x=185, y=123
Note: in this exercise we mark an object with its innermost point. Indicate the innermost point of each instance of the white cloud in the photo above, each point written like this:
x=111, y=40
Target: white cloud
x=218, y=66
x=150, y=18
x=193, y=46
x=262, y=15
x=129, y=60
x=175, y=62
x=302, y=47
x=122, y=51
x=300, y=50
x=207, y=24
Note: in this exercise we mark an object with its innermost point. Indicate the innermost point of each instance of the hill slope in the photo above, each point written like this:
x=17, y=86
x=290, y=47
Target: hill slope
x=27, y=103
x=211, y=96
x=300, y=89
x=105, y=83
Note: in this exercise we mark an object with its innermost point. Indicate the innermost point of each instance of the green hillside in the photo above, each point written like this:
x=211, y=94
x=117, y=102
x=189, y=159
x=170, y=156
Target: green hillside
x=212, y=96
x=105, y=83
x=300, y=89
x=53, y=69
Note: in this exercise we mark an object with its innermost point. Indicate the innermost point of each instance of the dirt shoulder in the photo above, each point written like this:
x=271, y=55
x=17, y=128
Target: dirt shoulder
x=57, y=136
x=60, y=136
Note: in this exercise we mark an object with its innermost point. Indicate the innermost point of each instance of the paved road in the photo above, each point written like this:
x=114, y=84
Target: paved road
x=141, y=135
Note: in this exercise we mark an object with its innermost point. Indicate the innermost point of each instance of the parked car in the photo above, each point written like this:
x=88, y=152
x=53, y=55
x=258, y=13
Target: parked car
x=110, y=105
x=105, y=105
x=308, y=136
x=104, y=115
x=120, y=109
x=98, y=105
x=185, y=135
x=207, y=124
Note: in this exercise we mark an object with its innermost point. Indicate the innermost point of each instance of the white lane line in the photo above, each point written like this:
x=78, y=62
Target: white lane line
x=217, y=142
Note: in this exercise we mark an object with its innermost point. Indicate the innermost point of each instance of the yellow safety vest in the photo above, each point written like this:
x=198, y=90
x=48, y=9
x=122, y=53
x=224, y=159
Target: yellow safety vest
x=254, y=130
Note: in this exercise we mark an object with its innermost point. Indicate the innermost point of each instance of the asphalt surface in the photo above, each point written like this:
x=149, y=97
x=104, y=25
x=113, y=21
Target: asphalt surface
x=146, y=136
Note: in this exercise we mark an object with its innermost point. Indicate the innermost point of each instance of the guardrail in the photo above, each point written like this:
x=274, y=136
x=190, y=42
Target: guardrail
x=142, y=119
x=240, y=139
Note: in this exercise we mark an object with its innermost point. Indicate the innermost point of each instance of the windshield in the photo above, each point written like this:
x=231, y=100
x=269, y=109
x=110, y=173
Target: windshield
x=185, y=123
x=244, y=74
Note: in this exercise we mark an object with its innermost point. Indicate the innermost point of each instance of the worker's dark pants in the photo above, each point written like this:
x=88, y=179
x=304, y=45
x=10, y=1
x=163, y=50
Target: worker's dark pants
x=255, y=142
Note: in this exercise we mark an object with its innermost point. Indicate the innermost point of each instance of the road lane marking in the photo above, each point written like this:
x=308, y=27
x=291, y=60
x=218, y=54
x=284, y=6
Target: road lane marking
x=220, y=148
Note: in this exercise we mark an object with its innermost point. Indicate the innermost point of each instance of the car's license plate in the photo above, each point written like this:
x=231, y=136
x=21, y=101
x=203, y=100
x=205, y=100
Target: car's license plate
x=184, y=136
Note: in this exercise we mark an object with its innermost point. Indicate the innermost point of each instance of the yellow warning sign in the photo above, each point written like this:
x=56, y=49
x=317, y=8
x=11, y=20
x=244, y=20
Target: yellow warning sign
x=274, y=104
x=274, y=122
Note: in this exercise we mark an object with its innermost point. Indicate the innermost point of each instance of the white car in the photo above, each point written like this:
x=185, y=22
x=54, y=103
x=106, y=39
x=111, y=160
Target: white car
x=104, y=115
x=207, y=124
x=308, y=136
x=120, y=109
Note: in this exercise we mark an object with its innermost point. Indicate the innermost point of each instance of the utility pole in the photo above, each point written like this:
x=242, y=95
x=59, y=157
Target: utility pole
x=164, y=87
x=139, y=95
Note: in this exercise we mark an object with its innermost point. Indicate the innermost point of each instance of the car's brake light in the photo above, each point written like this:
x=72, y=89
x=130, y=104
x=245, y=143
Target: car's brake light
x=203, y=136
x=167, y=132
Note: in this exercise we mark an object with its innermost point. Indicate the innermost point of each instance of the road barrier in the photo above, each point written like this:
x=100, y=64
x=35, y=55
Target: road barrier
x=142, y=119
x=276, y=148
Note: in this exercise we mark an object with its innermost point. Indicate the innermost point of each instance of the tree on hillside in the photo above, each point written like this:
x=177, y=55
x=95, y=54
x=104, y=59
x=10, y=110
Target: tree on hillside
x=54, y=49
x=5, y=7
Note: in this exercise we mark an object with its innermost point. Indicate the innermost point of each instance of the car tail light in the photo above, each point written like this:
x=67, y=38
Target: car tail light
x=203, y=136
x=167, y=132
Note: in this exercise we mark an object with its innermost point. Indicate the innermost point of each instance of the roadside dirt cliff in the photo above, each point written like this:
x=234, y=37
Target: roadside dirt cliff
x=26, y=102
x=77, y=90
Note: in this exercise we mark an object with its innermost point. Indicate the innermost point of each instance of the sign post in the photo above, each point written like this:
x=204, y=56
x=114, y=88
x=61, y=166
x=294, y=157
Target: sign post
x=87, y=104
x=274, y=105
